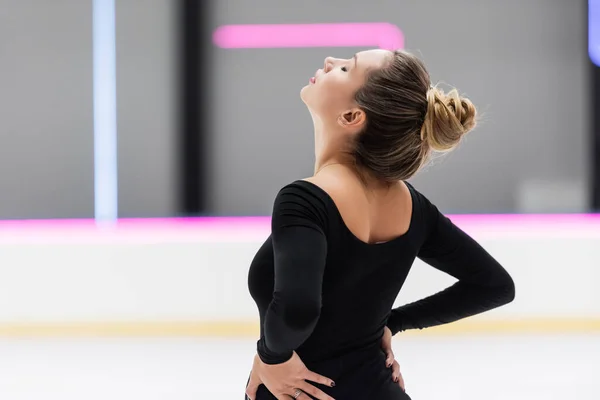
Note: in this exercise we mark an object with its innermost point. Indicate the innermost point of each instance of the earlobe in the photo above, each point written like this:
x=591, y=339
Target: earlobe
x=352, y=118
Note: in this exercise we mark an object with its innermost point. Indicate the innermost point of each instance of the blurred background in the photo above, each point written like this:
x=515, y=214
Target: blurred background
x=143, y=143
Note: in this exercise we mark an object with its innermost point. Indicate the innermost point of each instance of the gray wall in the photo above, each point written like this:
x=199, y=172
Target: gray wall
x=147, y=106
x=46, y=109
x=524, y=63
x=46, y=114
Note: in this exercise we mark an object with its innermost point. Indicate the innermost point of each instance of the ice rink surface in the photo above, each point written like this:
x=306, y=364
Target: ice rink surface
x=514, y=367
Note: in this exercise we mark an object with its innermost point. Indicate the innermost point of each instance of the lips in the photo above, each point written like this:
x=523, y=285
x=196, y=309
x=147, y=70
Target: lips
x=314, y=78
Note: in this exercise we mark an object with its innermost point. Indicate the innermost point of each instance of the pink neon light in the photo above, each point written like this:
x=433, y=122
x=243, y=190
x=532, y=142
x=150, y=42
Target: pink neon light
x=541, y=221
x=251, y=229
x=384, y=35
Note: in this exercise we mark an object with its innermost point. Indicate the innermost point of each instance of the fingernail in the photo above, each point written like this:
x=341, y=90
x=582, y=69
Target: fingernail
x=332, y=384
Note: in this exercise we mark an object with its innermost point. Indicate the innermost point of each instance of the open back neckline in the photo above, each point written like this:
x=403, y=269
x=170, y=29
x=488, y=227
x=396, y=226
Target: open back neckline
x=347, y=229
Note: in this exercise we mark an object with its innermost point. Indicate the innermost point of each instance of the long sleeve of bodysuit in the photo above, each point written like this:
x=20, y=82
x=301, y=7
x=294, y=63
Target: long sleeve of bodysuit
x=300, y=250
x=483, y=284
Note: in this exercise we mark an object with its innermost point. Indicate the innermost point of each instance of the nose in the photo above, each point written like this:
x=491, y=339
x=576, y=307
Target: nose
x=329, y=61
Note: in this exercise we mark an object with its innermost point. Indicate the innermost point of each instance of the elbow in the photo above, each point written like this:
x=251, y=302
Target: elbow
x=511, y=290
x=506, y=291
x=292, y=325
x=499, y=289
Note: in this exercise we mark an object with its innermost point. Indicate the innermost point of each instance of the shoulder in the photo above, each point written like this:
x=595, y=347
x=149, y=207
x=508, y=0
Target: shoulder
x=302, y=191
x=320, y=198
x=346, y=196
x=420, y=201
x=344, y=191
x=426, y=212
x=301, y=202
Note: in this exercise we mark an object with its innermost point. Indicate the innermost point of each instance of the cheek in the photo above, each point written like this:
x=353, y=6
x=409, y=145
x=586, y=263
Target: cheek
x=332, y=94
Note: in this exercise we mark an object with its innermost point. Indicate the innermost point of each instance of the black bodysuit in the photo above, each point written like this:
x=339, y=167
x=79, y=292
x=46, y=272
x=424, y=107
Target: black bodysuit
x=327, y=295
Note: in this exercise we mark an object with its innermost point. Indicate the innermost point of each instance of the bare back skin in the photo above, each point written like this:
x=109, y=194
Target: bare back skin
x=374, y=214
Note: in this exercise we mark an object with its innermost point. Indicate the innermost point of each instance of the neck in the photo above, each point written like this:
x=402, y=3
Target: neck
x=328, y=146
x=329, y=151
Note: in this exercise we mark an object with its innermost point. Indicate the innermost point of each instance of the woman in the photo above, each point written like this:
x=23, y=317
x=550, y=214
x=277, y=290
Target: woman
x=343, y=240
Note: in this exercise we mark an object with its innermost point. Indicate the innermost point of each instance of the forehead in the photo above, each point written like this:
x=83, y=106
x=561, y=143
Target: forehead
x=373, y=58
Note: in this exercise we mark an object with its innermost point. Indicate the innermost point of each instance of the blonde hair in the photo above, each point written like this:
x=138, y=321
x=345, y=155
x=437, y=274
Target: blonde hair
x=449, y=117
x=407, y=119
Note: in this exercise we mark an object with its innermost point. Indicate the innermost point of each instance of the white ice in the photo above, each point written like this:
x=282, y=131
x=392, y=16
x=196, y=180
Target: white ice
x=445, y=368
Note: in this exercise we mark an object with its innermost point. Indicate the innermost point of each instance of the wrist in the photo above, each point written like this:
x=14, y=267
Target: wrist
x=269, y=357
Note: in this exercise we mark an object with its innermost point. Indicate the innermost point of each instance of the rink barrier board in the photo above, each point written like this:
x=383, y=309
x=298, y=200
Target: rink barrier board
x=525, y=315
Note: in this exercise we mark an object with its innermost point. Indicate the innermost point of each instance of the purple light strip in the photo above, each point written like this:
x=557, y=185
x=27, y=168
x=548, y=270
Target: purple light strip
x=594, y=31
x=380, y=34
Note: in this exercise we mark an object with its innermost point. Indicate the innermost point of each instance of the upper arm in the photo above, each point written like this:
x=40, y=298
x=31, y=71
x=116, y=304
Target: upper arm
x=449, y=249
x=299, y=225
x=298, y=236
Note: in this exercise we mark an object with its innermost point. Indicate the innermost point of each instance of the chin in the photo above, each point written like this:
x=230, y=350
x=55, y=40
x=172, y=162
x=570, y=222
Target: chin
x=303, y=93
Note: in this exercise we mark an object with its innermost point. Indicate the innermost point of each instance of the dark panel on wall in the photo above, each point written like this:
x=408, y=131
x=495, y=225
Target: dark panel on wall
x=193, y=15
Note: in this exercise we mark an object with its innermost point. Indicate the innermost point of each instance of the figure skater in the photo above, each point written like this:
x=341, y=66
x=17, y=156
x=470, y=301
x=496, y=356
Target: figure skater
x=343, y=241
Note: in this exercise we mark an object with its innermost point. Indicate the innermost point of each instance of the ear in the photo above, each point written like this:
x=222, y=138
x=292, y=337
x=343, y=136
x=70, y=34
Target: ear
x=353, y=119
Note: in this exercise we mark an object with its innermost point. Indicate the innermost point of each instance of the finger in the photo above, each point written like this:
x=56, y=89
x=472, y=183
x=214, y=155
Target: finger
x=314, y=377
x=301, y=396
x=401, y=382
x=395, y=370
x=251, y=391
x=390, y=358
x=397, y=375
x=314, y=392
x=283, y=397
x=252, y=387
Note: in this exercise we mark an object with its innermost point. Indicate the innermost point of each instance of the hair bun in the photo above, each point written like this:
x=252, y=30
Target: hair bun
x=449, y=116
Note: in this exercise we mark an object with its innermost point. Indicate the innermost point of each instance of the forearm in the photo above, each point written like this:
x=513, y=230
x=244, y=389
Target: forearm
x=459, y=301
x=483, y=284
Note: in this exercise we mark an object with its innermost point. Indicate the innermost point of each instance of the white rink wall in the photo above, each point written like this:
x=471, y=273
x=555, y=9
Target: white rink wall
x=194, y=271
